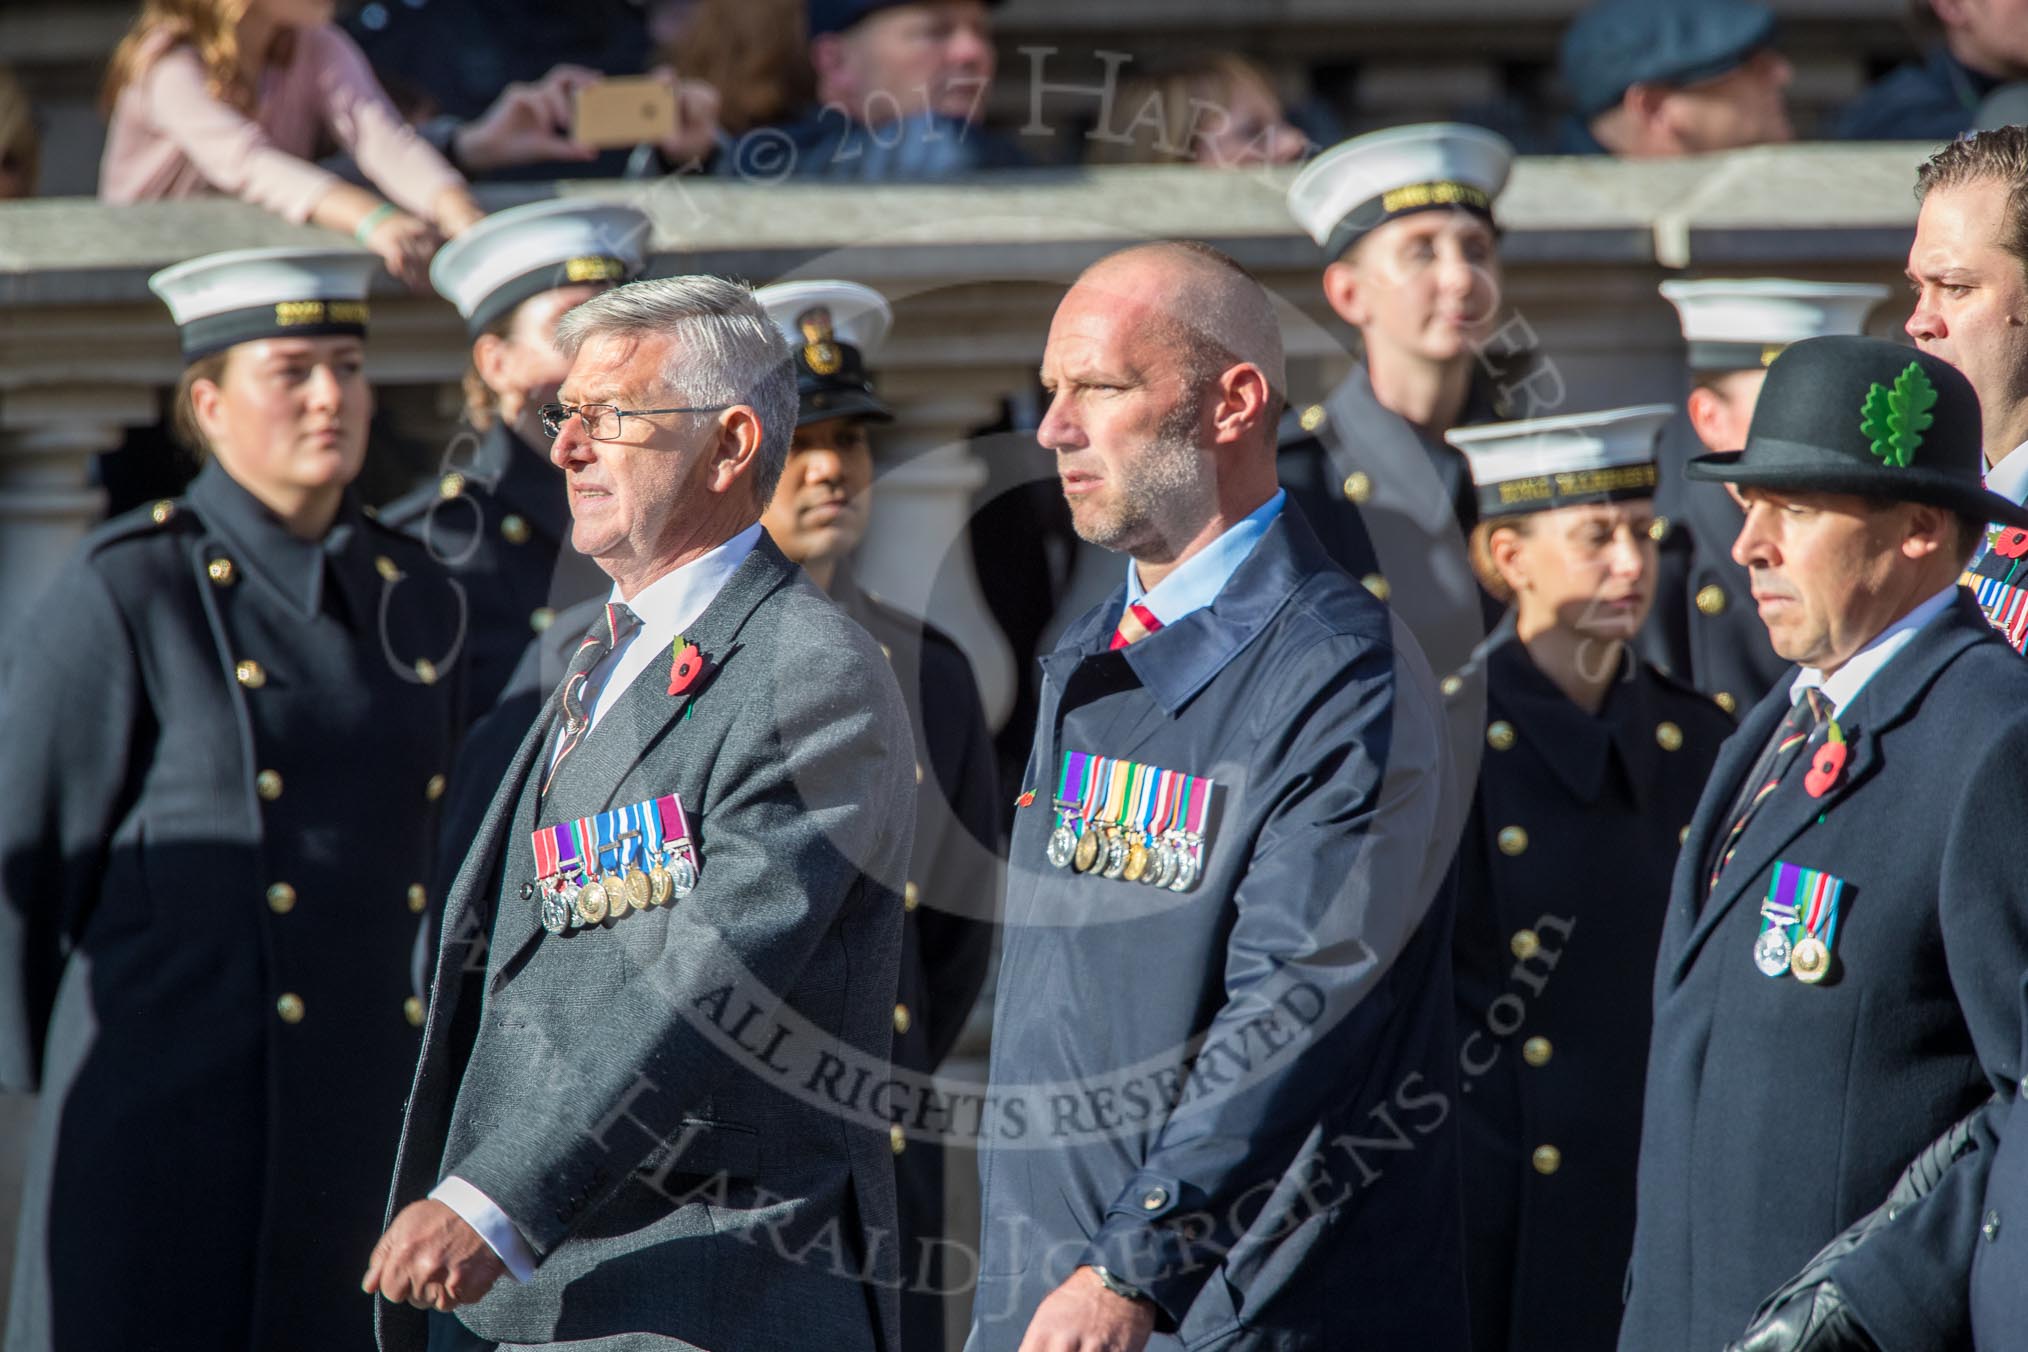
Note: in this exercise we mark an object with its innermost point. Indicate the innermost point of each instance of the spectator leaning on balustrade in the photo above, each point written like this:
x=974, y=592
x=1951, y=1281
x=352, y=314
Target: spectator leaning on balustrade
x=20, y=140
x=209, y=96
x=1657, y=78
x=1217, y=110
x=1977, y=47
x=901, y=87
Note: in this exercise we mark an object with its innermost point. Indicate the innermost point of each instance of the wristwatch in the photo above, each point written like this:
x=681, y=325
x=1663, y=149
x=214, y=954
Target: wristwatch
x=1116, y=1286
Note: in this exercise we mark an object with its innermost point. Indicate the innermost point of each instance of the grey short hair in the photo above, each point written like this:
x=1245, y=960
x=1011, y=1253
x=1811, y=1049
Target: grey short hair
x=727, y=351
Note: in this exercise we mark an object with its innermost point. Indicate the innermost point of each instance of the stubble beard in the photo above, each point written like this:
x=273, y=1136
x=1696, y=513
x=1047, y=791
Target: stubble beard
x=1169, y=483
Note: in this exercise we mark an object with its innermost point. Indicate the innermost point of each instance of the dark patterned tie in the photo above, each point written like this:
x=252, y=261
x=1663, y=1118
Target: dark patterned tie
x=607, y=633
x=1808, y=714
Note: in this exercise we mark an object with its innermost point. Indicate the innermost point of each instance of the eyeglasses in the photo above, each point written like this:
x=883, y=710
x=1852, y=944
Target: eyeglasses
x=602, y=422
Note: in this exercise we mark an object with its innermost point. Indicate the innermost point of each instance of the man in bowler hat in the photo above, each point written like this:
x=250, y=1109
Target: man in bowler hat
x=1839, y=975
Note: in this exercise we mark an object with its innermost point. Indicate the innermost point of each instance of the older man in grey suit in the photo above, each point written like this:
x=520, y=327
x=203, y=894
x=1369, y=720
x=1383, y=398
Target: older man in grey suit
x=676, y=934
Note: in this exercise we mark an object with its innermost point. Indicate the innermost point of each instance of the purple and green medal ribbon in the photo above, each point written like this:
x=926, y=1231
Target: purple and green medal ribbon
x=1802, y=901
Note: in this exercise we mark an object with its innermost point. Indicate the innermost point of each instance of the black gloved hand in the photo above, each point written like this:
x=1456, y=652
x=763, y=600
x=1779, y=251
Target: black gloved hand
x=1814, y=1319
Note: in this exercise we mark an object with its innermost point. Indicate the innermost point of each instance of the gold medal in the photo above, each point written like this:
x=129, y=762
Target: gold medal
x=639, y=890
x=591, y=902
x=1137, y=860
x=661, y=887
x=1810, y=961
x=1088, y=846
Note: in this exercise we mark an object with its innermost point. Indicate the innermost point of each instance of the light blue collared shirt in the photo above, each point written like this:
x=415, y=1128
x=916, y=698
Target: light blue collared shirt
x=1199, y=578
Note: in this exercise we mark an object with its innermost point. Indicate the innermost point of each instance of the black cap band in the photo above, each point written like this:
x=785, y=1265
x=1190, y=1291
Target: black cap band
x=1407, y=200
x=1733, y=356
x=586, y=268
x=284, y=319
x=1540, y=492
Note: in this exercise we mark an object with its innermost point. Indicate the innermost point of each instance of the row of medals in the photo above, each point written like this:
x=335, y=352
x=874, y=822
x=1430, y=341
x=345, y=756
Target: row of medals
x=1168, y=860
x=1807, y=957
x=565, y=902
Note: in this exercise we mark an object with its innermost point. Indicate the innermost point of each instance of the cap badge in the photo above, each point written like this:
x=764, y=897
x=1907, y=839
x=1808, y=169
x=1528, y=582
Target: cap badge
x=820, y=354
x=1895, y=419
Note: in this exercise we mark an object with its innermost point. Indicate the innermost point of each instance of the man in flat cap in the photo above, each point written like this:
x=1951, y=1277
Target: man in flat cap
x=1839, y=977
x=1658, y=78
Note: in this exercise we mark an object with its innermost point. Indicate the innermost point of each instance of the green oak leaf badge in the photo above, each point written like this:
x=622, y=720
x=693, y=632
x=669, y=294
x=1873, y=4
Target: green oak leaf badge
x=1895, y=419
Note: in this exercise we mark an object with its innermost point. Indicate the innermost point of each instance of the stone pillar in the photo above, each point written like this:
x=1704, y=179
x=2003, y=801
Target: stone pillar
x=47, y=501
x=918, y=552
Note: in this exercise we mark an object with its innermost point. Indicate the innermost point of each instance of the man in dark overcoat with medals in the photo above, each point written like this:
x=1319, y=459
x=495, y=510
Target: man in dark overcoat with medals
x=1839, y=977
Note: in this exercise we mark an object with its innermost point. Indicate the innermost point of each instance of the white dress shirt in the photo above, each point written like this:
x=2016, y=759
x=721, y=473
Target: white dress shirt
x=666, y=607
x=2009, y=478
x=1844, y=684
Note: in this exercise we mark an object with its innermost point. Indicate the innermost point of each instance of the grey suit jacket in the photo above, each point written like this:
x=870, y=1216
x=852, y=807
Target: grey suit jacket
x=665, y=1104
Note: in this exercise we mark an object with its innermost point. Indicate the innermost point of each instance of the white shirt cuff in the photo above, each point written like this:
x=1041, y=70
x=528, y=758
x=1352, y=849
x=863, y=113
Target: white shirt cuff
x=476, y=1209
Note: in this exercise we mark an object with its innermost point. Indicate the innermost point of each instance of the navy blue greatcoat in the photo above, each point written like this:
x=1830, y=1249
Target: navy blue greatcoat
x=1778, y=1113
x=1239, y=1098
x=223, y=765
x=1563, y=882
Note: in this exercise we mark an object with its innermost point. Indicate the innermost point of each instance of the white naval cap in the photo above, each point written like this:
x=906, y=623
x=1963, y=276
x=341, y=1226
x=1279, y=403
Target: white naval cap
x=1573, y=458
x=1369, y=180
x=524, y=251
x=833, y=329
x=1743, y=324
x=242, y=295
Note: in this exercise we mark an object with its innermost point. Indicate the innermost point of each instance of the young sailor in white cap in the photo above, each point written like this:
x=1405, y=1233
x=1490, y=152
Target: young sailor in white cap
x=224, y=731
x=1405, y=218
x=495, y=512
x=1592, y=766
x=818, y=517
x=1704, y=628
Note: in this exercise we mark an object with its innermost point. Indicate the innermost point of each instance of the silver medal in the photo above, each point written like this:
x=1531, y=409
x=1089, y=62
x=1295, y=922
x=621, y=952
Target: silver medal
x=568, y=894
x=554, y=910
x=1062, y=845
x=1771, y=951
x=1161, y=864
x=682, y=874
x=1115, y=854
x=1186, y=868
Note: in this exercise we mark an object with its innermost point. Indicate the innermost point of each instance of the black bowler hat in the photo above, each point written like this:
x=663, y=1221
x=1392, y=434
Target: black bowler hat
x=1867, y=416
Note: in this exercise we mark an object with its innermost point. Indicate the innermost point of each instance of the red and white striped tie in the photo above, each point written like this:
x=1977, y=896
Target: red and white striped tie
x=1136, y=623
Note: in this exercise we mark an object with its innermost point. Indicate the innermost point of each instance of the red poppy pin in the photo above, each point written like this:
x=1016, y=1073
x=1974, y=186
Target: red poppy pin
x=686, y=665
x=1827, y=764
x=2011, y=543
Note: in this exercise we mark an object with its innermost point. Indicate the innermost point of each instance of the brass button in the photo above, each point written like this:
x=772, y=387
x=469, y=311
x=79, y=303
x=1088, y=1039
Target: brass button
x=385, y=567
x=1451, y=685
x=1724, y=700
x=1155, y=1198
x=418, y=897
x=1500, y=735
x=897, y=1139
x=425, y=671
x=451, y=485
x=1376, y=584
x=1311, y=418
x=911, y=897
x=281, y=898
x=1525, y=944
x=887, y=652
x=902, y=1021
x=1658, y=529
x=540, y=618
x=1711, y=599
x=221, y=571
x=249, y=674
x=1683, y=835
x=162, y=511
x=1536, y=1051
x=1669, y=736
x=434, y=789
x=290, y=1007
x=268, y=784
x=412, y=1009
x=513, y=529
x=1991, y=1229
x=1358, y=486
x=1512, y=840
x=918, y=772
x=1547, y=1159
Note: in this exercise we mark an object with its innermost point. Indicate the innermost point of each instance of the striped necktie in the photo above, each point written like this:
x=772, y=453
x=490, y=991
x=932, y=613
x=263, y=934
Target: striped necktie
x=608, y=632
x=1136, y=623
x=1805, y=717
